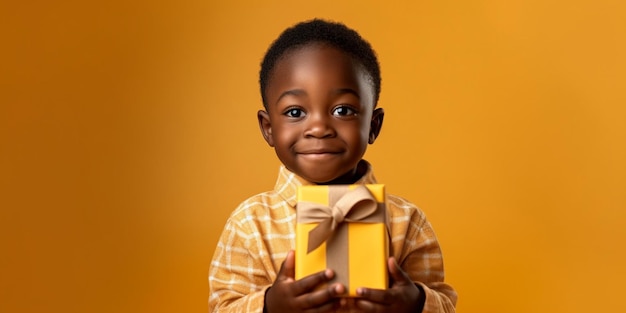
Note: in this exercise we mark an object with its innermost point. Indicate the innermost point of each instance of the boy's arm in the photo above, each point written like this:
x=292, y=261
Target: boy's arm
x=237, y=279
x=423, y=263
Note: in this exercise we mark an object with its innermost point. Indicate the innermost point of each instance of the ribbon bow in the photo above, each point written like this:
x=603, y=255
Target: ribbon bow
x=354, y=205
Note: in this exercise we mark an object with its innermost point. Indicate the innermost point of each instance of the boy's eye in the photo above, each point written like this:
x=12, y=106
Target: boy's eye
x=344, y=111
x=294, y=112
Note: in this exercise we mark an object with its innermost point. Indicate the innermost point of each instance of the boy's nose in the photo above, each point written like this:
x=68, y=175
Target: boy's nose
x=319, y=126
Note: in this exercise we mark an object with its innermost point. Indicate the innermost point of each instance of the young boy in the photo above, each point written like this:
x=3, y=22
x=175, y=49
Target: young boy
x=320, y=83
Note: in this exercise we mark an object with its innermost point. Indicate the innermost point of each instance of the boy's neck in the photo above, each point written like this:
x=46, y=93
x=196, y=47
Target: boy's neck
x=350, y=177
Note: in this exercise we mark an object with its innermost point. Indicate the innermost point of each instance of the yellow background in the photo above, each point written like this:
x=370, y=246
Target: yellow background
x=128, y=133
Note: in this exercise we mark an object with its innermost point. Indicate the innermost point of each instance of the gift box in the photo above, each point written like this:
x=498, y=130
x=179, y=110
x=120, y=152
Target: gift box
x=344, y=228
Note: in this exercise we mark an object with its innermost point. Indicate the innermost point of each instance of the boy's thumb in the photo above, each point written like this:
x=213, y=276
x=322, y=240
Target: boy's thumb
x=288, y=268
x=397, y=274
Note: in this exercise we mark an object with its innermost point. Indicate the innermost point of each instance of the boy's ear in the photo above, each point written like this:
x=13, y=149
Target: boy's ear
x=266, y=127
x=376, y=124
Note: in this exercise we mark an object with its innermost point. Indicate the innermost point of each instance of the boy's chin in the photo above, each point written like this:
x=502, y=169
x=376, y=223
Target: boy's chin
x=316, y=177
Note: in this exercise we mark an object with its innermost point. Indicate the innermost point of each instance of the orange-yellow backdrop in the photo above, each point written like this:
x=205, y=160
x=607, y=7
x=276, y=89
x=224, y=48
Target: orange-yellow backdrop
x=128, y=134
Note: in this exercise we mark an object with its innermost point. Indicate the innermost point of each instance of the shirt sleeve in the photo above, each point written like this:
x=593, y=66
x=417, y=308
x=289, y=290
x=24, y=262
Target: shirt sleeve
x=422, y=260
x=237, y=279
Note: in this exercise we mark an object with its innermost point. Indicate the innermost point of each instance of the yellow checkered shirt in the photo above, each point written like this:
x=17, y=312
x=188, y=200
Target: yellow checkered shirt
x=260, y=232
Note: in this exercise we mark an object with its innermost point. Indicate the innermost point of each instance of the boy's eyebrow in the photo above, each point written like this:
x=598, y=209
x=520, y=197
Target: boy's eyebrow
x=300, y=92
x=292, y=92
x=341, y=91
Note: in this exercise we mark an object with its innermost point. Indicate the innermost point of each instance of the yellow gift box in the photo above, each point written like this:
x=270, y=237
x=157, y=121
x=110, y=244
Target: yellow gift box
x=344, y=228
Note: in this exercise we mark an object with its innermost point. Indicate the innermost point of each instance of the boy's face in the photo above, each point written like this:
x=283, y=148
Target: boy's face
x=320, y=113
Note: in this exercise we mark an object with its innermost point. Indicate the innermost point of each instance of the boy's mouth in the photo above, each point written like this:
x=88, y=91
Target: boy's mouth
x=319, y=150
x=318, y=153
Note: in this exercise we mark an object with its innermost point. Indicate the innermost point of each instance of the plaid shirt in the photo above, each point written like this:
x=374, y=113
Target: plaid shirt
x=261, y=231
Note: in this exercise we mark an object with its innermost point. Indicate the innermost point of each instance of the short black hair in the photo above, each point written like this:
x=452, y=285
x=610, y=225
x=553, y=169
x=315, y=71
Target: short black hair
x=336, y=34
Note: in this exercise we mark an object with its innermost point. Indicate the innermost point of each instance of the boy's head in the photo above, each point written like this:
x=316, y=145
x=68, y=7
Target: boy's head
x=320, y=83
x=321, y=31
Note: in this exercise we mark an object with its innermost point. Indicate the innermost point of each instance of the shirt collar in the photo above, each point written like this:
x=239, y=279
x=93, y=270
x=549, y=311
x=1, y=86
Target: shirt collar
x=287, y=183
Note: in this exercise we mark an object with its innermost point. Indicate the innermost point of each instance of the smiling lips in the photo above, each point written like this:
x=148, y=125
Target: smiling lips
x=318, y=153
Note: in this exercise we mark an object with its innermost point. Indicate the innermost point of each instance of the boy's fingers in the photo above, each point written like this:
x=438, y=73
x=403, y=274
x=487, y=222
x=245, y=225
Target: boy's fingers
x=373, y=295
x=320, y=298
x=309, y=283
x=397, y=274
x=384, y=297
x=287, y=269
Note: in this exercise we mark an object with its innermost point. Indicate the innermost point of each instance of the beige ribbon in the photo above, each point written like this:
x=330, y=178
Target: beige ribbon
x=355, y=205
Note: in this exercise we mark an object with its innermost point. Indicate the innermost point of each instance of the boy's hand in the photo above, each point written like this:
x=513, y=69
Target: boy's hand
x=290, y=295
x=403, y=296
